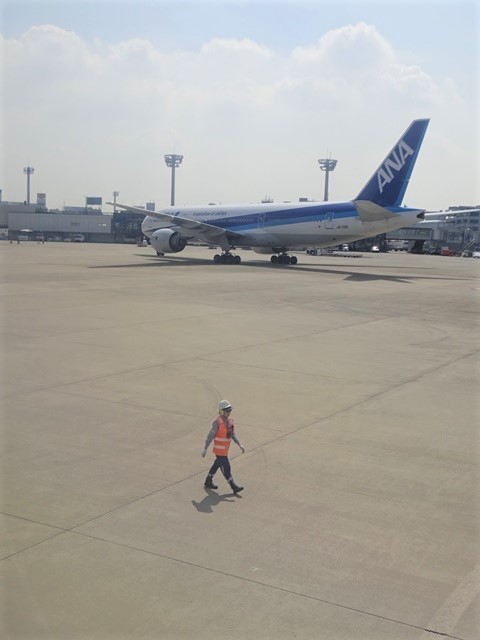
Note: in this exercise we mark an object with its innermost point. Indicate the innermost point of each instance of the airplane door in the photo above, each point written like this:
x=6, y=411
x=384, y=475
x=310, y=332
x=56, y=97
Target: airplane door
x=261, y=220
x=329, y=220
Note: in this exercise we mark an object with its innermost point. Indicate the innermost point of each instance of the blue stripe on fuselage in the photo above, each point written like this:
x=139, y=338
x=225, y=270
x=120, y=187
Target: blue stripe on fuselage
x=282, y=217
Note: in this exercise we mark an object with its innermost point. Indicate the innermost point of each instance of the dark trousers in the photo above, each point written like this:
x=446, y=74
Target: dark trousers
x=223, y=463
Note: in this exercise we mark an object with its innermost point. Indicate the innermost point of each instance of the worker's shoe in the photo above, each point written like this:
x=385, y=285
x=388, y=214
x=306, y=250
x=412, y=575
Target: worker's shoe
x=235, y=487
x=209, y=483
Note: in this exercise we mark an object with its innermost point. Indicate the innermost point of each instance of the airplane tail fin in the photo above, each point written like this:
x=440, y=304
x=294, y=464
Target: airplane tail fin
x=388, y=184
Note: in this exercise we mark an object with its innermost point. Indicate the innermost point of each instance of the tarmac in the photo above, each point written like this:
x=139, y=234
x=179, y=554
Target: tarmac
x=355, y=393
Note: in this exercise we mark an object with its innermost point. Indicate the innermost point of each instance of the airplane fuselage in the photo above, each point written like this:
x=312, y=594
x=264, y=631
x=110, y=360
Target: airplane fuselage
x=285, y=224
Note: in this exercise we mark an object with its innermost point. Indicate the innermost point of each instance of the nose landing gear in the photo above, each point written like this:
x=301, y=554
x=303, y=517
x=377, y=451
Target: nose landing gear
x=283, y=258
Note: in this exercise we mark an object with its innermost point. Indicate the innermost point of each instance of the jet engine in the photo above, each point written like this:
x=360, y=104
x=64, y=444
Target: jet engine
x=167, y=241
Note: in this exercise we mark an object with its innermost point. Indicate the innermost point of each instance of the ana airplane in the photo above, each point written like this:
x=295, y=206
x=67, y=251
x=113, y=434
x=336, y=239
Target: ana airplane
x=279, y=227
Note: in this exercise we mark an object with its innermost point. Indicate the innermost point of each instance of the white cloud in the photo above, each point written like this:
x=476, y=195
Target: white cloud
x=235, y=48
x=95, y=117
x=353, y=47
x=357, y=61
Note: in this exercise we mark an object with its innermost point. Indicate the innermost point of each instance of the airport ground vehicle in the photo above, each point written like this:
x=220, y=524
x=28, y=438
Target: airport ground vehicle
x=398, y=245
x=431, y=248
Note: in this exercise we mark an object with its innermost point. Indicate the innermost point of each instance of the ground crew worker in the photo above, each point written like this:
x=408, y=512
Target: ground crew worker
x=222, y=432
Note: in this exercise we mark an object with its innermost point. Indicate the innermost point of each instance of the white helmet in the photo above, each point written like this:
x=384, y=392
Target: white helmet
x=224, y=404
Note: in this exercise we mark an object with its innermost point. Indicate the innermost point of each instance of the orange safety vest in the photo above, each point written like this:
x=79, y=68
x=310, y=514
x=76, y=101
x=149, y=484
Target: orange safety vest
x=221, y=442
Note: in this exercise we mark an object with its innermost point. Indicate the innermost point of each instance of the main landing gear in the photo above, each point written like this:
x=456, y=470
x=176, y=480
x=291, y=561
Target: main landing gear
x=283, y=258
x=226, y=258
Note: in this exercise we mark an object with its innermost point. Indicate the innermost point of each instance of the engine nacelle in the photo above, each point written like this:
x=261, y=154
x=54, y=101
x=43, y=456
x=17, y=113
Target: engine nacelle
x=167, y=241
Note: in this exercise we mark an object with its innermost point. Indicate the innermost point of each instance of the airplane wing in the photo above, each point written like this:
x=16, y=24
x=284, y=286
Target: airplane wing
x=203, y=230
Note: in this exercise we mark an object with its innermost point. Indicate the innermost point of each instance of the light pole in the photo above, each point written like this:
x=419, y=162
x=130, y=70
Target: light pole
x=28, y=171
x=115, y=196
x=327, y=165
x=173, y=161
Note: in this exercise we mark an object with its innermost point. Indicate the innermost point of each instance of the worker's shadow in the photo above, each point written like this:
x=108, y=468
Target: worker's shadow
x=211, y=500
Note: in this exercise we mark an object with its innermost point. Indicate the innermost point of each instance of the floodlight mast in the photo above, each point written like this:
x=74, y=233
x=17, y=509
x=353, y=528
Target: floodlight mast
x=28, y=171
x=327, y=165
x=173, y=161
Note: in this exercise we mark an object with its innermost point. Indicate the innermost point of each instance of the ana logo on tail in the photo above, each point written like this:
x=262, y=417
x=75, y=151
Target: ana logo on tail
x=393, y=164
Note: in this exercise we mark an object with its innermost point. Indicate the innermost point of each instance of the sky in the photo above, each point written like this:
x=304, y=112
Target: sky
x=251, y=93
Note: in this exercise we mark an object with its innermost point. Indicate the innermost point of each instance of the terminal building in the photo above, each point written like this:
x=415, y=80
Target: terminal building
x=82, y=223
x=456, y=229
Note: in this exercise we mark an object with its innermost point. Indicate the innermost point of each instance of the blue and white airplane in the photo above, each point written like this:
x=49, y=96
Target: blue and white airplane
x=279, y=227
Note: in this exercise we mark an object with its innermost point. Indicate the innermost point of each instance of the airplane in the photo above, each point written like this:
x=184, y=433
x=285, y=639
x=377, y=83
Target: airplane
x=276, y=228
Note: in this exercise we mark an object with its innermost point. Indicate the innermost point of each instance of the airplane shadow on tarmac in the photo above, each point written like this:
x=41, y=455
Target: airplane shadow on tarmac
x=348, y=273
x=212, y=499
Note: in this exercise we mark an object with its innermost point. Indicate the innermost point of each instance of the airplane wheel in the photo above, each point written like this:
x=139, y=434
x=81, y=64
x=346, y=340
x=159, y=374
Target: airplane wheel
x=293, y=260
x=217, y=259
x=237, y=260
x=229, y=259
x=274, y=259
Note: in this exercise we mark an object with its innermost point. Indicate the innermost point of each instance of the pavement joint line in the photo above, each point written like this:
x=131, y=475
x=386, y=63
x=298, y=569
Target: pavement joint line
x=206, y=357
x=262, y=584
x=143, y=406
x=44, y=524
x=32, y=546
x=56, y=332
x=199, y=473
x=143, y=497
x=62, y=531
x=281, y=436
x=452, y=609
x=187, y=358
